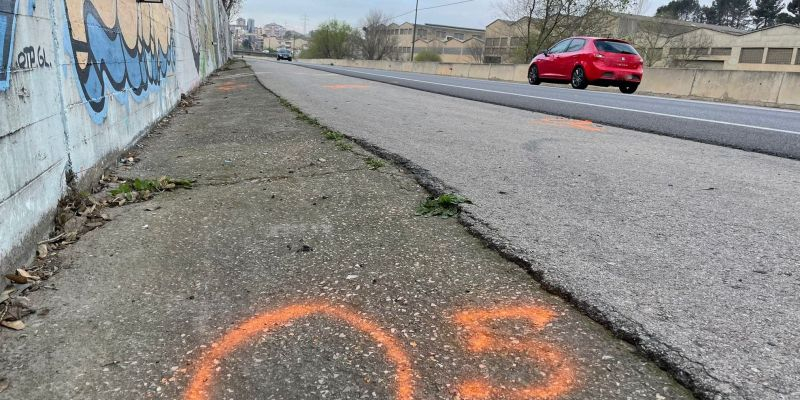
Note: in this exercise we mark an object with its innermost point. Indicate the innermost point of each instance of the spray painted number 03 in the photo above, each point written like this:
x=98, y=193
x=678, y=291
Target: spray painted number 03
x=479, y=339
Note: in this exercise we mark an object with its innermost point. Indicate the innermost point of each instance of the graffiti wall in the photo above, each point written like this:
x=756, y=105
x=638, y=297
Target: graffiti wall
x=80, y=80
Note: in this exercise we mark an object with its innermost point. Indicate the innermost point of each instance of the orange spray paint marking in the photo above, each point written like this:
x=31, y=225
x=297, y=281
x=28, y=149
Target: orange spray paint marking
x=269, y=321
x=344, y=86
x=480, y=339
x=231, y=86
x=583, y=125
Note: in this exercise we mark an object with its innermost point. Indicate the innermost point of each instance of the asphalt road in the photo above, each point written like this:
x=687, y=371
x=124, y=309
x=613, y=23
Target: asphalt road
x=761, y=129
x=687, y=249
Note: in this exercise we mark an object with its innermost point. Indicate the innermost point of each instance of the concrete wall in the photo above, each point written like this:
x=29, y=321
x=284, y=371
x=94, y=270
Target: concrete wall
x=80, y=80
x=752, y=87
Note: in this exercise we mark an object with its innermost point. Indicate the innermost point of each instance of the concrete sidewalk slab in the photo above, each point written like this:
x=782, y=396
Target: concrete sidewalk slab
x=294, y=271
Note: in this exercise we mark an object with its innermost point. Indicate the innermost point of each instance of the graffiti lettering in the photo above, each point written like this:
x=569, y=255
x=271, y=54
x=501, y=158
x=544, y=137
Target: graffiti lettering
x=8, y=18
x=31, y=57
x=121, y=45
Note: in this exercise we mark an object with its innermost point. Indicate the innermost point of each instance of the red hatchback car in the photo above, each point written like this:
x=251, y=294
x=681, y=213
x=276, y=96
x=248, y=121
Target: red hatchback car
x=585, y=61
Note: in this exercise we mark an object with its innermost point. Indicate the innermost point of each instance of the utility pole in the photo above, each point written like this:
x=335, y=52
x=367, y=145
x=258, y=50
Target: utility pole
x=305, y=24
x=414, y=34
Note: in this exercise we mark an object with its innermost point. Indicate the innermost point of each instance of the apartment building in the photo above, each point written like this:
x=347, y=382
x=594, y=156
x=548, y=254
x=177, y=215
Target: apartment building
x=296, y=45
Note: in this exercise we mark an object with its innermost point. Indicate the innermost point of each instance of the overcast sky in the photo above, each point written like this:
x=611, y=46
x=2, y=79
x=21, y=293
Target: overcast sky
x=473, y=14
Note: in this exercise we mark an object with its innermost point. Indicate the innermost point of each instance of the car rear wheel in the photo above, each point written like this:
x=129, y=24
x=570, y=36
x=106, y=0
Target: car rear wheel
x=579, y=78
x=533, y=75
x=628, y=89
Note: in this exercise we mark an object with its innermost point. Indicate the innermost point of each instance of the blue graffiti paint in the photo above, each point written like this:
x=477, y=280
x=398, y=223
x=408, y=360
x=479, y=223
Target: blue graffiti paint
x=114, y=67
x=8, y=19
x=31, y=7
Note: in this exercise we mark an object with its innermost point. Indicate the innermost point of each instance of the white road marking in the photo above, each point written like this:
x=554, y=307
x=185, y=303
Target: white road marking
x=591, y=92
x=572, y=102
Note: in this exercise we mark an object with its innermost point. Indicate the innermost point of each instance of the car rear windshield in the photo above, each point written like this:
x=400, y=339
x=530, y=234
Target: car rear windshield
x=610, y=46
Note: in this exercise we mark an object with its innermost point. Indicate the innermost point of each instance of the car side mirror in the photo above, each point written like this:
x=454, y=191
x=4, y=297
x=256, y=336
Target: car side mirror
x=546, y=53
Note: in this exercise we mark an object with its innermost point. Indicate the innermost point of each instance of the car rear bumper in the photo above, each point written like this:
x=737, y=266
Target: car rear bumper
x=614, y=76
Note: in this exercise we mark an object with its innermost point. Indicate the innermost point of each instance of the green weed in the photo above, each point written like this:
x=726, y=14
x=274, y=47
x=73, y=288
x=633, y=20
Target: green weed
x=333, y=135
x=343, y=145
x=374, y=163
x=444, y=206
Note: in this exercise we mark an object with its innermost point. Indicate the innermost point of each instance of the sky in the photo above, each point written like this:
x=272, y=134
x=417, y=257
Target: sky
x=290, y=13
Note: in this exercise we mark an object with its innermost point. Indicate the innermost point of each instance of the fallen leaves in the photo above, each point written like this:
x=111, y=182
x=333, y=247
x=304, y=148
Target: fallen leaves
x=22, y=277
x=41, y=250
x=13, y=306
x=15, y=325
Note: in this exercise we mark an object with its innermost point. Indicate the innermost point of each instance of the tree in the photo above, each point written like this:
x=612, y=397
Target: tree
x=540, y=23
x=333, y=39
x=475, y=51
x=684, y=10
x=733, y=13
x=691, y=46
x=428, y=55
x=375, y=43
x=232, y=7
x=766, y=12
x=792, y=14
x=524, y=10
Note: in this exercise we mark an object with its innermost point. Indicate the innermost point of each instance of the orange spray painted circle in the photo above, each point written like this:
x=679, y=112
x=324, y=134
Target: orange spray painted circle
x=272, y=320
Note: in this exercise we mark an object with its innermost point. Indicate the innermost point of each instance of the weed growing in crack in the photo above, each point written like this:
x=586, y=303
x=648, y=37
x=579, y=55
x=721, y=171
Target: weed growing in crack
x=333, y=135
x=343, y=145
x=300, y=114
x=374, y=163
x=444, y=206
x=149, y=186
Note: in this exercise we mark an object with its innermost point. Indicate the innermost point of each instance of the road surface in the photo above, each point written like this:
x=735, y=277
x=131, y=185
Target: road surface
x=762, y=129
x=687, y=249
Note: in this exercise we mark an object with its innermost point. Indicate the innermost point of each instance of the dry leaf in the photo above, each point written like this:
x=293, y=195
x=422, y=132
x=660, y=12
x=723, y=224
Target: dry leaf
x=105, y=217
x=3, y=384
x=42, y=250
x=17, y=279
x=26, y=274
x=15, y=325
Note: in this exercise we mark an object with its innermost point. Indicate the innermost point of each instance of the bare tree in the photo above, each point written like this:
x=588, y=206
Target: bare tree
x=475, y=51
x=686, y=49
x=522, y=13
x=651, y=37
x=540, y=23
x=232, y=7
x=376, y=42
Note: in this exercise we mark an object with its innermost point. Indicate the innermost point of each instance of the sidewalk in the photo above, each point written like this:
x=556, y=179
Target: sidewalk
x=295, y=268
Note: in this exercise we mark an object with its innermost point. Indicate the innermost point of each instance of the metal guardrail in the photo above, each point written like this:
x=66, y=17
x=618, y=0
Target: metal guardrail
x=254, y=53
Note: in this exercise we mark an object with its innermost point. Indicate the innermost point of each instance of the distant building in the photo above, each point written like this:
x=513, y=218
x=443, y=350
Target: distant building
x=241, y=22
x=296, y=44
x=454, y=44
x=274, y=30
x=505, y=40
x=776, y=48
x=251, y=25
